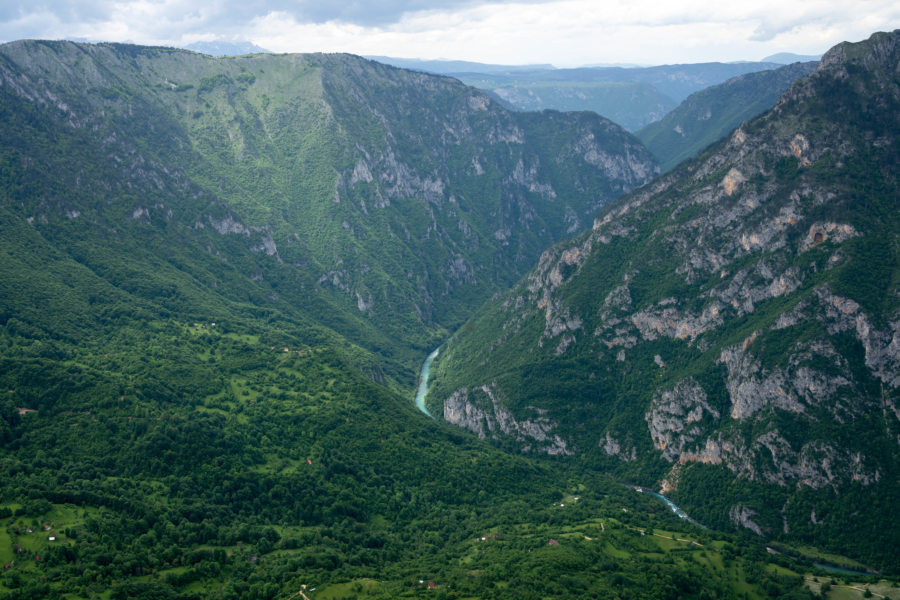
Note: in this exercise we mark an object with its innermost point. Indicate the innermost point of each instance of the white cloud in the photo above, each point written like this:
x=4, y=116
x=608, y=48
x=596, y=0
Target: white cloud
x=564, y=32
x=571, y=32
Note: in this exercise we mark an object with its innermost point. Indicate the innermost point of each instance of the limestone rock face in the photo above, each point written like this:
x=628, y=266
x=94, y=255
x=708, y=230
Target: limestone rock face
x=672, y=416
x=741, y=515
x=613, y=447
x=482, y=413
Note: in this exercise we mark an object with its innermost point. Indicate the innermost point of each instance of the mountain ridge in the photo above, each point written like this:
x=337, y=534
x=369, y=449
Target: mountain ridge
x=787, y=58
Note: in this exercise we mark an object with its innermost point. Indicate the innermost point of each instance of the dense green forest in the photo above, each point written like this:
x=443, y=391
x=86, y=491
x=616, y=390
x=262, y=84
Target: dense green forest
x=186, y=460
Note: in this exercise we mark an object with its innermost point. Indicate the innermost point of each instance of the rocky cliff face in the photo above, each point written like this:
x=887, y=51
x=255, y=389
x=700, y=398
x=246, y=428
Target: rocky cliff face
x=741, y=312
x=482, y=413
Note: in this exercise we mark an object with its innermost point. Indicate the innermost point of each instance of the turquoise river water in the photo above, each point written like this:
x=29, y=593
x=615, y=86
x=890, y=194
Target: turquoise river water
x=423, y=383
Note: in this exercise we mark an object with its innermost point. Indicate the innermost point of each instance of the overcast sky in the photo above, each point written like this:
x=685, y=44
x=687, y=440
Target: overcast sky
x=561, y=32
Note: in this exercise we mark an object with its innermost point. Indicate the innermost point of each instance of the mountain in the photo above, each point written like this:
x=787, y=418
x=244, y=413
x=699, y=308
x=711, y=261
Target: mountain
x=447, y=67
x=786, y=58
x=223, y=48
x=208, y=290
x=631, y=104
x=728, y=333
x=380, y=203
x=708, y=115
x=675, y=81
x=632, y=97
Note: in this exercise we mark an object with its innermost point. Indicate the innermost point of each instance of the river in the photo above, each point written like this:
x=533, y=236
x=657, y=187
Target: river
x=674, y=507
x=842, y=570
x=678, y=511
x=423, y=383
x=420, y=404
x=422, y=391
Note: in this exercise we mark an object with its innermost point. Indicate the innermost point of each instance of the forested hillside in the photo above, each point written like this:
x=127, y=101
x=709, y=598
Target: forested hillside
x=728, y=333
x=710, y=114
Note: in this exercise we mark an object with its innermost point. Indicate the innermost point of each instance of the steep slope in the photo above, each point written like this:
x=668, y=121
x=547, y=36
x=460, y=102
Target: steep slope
x=708, y=115
x=730, y=332
x=377, y=202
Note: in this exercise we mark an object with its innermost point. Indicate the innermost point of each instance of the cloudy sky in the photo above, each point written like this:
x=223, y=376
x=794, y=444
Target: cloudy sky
x=562, y=32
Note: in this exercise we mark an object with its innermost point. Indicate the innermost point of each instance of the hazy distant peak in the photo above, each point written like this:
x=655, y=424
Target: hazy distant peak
x=786, y=58
x=222, y=48
x=615, y=65
x=446, y=66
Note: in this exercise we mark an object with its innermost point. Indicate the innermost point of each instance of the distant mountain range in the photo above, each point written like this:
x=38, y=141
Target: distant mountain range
x=449, y=67
x=787, y=58
x=631, y=97
x=222, y=48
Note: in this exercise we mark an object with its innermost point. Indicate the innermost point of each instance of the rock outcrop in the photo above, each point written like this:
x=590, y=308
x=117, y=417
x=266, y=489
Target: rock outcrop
x=482, y=413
